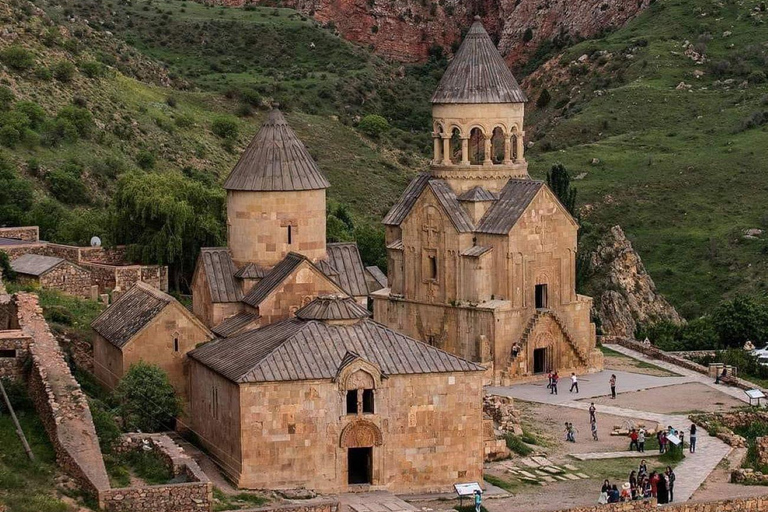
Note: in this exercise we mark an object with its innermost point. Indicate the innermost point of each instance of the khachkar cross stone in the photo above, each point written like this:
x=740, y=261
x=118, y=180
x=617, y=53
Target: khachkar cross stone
x=431, y=228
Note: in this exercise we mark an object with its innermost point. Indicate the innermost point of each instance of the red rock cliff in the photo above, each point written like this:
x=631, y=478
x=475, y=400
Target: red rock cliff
x=404, y=30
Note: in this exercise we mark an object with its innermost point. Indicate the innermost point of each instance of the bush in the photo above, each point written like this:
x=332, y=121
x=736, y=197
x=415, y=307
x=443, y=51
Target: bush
x=107, y=429
x=33, y=112
x=92, y=69
x=516, y=445
x=6, y=98
x=145, y=159
x=63, y=71
x=78, y=117
x=225, y=127
x=17, y=58
x=6, y=272
x=66, y=184
x=528, y=35
x=544, y=99
x=373, y=125
x=15, y=194
x=146, y=399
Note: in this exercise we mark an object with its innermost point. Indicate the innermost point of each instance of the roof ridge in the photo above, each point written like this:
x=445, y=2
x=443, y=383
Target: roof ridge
x=302, y=324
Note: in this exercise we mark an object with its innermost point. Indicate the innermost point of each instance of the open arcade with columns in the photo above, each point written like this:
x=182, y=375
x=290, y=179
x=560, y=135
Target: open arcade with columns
x=481, y=258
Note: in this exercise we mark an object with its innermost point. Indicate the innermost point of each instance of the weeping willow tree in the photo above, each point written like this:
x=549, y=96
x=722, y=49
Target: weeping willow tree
x=165, y=218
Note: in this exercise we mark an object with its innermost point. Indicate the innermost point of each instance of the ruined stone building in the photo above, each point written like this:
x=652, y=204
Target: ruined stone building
x=277, y=258
x=145, y=324
x=330, y=400
x=481, y=258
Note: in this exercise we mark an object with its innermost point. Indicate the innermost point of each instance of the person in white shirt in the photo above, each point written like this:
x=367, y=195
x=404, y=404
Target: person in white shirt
x=574, y=383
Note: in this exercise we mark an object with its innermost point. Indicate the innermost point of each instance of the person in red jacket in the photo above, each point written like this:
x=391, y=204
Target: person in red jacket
x=633, y=435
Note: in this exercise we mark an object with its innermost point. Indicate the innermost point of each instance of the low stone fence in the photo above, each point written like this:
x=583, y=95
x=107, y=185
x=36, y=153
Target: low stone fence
x=758, y=504
x=26, y=233
x=14, y=351
x=316, y=506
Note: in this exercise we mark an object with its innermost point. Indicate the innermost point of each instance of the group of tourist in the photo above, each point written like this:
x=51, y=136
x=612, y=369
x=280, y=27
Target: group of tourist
x=570, y=432
x=641, y=485
x=637, y=440
x=553, y=378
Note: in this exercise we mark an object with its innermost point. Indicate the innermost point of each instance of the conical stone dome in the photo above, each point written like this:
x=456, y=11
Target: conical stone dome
x=478, y=73
x=276, y=160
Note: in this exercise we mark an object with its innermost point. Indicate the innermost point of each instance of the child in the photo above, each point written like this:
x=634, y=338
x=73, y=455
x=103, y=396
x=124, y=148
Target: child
x=594, y=430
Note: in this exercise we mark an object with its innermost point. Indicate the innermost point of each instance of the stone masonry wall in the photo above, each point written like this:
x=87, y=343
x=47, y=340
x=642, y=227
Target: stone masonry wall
x=60, y=402
x=758, y=504
x=68, y=278
x=18, y=342
x=26, y=233
x=322, y=506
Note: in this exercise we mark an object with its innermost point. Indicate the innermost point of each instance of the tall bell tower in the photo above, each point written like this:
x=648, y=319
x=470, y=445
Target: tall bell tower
x=477, y=112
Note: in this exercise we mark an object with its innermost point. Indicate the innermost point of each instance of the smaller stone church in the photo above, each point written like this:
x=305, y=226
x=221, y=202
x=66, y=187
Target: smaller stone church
x=332, y=401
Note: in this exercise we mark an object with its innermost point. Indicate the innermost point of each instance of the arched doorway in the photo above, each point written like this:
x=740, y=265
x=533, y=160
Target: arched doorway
x=359, y=438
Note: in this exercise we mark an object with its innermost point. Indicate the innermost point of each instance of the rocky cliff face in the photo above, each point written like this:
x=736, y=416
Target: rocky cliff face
x=405, y=29
x=629, y=297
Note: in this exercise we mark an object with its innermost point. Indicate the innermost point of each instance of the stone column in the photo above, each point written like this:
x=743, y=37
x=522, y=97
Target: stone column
x=488, y=160
x=465, y=151
x=507, y=150
x=437, y=157
x=520, y=147
x=447, y=150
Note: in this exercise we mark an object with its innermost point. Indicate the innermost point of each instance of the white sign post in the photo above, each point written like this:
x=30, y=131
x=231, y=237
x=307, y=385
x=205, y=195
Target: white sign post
x=466, y=490
x=755, y=394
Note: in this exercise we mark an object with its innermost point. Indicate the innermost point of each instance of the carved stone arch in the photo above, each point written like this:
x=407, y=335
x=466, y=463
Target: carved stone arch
x=438, y=127
x=454, y=126
x=358, y=374
x=542, y=277
x=360, y=434
x=543, y=339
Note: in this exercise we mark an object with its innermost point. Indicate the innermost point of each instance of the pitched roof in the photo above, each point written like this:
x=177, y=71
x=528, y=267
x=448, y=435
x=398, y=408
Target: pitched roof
x=234, y=324
x=332, y=308
x=251, y=271
x=396, y=245
x=514, y=198
x=328, y=269
x=35, y=264
x=379, y=276
x=14, y=241
x=478, y=73
x=476, y=251
x=220, y=272
x=476, y=194
x=129, y=314
x=400, y=209
x=450, y=203
x=298, y=349
x=276, y=160
x=277, y=275
x=345, y=258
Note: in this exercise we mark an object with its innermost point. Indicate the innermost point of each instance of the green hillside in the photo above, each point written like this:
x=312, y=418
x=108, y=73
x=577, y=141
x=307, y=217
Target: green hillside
x=682, y=169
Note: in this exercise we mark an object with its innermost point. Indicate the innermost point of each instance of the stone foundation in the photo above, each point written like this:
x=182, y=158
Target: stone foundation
x=321, y=506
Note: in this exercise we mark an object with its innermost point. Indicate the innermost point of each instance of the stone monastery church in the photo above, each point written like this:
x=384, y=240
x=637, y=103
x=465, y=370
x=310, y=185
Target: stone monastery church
x=286, y=379
x=481, y=258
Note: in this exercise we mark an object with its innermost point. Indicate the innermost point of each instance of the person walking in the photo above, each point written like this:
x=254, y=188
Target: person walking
x=663, y=442
x=641, y=441
x=662, y=493
x=574, y=383
x=549, y=381
x=593, y=425
x=592, y=412
x=659, y=436
x=692, y=436
x=478, y=500
x=555, y=378
x=633, y=436
x=670, y=483
x=613, y=385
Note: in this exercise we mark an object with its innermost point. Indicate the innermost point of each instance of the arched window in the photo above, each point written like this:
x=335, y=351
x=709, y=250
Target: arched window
x=513, y=141
x=497, y=145
x=476, y=146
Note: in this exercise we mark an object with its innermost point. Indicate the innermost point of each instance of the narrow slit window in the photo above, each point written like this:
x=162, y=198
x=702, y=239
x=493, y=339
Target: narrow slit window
x=175, y=344
x=433, y=267
x=368, y=401
x=352, y=402
x=290, y=235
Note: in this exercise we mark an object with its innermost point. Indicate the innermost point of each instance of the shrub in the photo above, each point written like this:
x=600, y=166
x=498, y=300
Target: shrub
x=528, y=35
x=107, y=429
x=17, y=58
x=145, y=159
x=63, y=71
x=6, y=272
x=516, y=445
x=544, y=99
x=373, y=125
x=44, y=74
x=34, y=112
x=15, y=194
x=6, y=98
x=170, y=101
x=66, y=184
x=78, y=117
x=92, y=69
x=225, y=127
x=146, y=399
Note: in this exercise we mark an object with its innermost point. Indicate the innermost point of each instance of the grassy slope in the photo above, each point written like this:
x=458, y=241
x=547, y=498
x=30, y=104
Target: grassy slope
x=673, y=170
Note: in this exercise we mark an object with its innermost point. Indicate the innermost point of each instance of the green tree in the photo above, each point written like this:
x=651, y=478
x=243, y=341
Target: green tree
x=15, y=194
x=6, y=272
x=225, y=127
x=741, y=319
x=543, y=99
x=528, y=35
x=165, y=219
x=559, y=180
x=373, y=125
x=146, y=400
x=17, y=58
x=66, y=184
x=370, y=241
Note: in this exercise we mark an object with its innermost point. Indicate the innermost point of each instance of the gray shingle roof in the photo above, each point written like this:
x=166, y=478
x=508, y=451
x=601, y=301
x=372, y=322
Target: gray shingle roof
x=297, y=349
x=129, y=314
x=345, y=258
x=277, y=275
x=378, y=275
x=233, y=324
x=478, y=73
x=477, y=194
x=251, y=271
x=476, y=251
x=35, y=264
x=400, y=209
x=448, y=199
x=276, y=160
x=220, y=272
x=396, y=245
x=13, y=241
x=333, y=308
x=513, y=200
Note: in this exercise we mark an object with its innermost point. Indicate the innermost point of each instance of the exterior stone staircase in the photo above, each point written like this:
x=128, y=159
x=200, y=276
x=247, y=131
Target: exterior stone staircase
x=508, y=373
